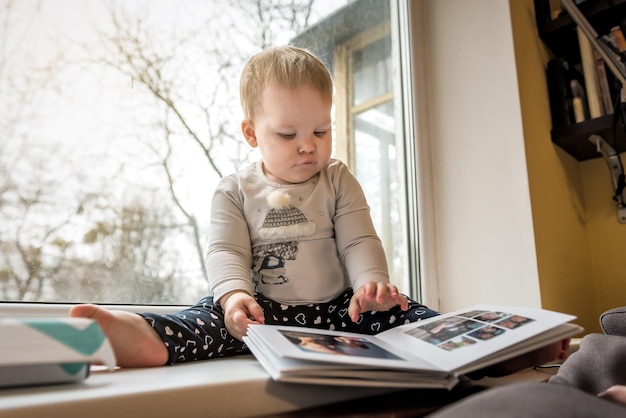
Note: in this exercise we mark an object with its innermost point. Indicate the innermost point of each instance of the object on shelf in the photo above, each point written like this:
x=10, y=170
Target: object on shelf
x=561, y=35
x=592, y=85
x=560, y=92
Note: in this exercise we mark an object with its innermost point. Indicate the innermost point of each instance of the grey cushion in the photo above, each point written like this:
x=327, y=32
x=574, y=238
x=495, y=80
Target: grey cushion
x=613, y=321
x=532, y=400
x=599, y=363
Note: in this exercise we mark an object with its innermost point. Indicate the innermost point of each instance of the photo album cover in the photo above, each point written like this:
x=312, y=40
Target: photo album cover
x=431, y=353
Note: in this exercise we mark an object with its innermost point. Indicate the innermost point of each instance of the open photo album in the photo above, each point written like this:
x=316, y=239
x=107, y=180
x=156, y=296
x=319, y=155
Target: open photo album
x=432, y=353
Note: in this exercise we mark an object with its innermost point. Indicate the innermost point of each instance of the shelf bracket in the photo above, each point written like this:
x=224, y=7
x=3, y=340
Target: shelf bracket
x=617, y=174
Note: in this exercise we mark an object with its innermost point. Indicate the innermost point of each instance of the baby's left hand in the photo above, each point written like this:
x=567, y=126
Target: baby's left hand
x=374, y=296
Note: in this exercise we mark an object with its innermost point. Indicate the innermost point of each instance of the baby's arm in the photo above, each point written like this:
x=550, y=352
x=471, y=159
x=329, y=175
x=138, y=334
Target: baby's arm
x=240, y=310
x=375, y=296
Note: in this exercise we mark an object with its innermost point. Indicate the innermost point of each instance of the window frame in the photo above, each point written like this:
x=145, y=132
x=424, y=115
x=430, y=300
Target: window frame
x=411, y=33
x=344, y=144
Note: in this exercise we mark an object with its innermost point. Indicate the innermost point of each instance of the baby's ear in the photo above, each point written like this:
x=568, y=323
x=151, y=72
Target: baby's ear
x=248, y=132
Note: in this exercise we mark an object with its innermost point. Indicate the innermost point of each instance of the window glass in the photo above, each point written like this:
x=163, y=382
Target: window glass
x=373, y=62
x=376, y=168
x=119, y=117
x=375, y=148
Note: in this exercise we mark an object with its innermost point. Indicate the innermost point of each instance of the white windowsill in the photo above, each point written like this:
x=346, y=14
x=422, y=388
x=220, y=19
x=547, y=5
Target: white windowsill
x=233, y=387
x=230, y=387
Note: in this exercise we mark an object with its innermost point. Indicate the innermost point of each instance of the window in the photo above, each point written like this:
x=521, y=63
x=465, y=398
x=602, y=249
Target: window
x=370, y=144
x=117, y=120
x=370, y=105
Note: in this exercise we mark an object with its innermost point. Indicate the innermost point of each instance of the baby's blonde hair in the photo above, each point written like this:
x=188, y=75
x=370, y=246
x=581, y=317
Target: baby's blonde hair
x=285, y=66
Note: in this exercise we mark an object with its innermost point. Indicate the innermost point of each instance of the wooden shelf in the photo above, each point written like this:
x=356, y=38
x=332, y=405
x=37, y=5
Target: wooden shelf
x=574, y=139
x=560, y=36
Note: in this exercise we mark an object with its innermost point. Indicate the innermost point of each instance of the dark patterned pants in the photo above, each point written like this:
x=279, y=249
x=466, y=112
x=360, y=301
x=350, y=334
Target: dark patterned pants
x=199, y=333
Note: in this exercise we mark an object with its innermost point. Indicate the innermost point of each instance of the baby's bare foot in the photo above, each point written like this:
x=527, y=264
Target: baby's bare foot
x=134, y=341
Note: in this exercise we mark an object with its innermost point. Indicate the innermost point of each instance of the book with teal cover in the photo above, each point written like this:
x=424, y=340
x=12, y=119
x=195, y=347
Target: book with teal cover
x=36, y=351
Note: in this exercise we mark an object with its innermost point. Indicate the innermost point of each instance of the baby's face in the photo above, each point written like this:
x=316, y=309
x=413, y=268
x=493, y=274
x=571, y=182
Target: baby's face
x=292, y=128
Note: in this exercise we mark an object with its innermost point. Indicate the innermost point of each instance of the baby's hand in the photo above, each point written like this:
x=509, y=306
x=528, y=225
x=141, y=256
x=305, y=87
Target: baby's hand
x=615, y=393
x=240, y=310
x=375, y=296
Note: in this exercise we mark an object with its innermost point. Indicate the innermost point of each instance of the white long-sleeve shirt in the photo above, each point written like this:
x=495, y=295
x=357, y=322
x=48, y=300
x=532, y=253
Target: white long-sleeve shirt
x=308, y=245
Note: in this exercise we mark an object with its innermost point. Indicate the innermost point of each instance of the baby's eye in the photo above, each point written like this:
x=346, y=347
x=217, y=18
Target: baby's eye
x=286, y=136
x=320, y=133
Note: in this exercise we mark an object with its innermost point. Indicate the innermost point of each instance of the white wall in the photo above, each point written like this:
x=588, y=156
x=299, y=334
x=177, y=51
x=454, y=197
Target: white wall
x=483, y=230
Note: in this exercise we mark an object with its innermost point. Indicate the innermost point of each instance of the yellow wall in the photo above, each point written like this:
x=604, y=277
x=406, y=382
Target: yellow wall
x=581, y=248
x=607, y=237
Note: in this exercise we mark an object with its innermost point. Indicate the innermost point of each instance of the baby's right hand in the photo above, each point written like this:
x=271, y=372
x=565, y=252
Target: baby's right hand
x=240, y=310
